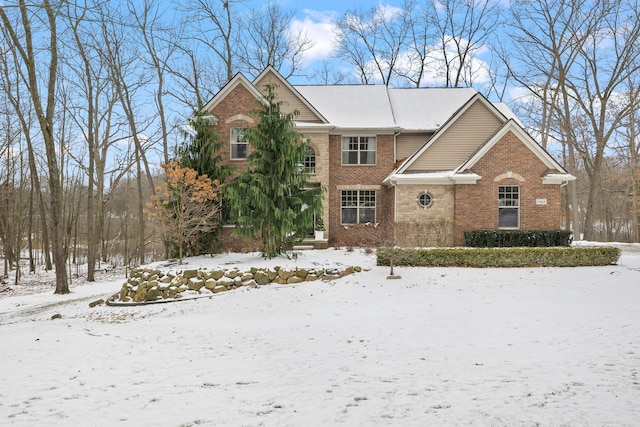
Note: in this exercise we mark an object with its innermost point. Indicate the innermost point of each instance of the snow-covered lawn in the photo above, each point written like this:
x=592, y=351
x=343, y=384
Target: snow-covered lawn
x=441, y=346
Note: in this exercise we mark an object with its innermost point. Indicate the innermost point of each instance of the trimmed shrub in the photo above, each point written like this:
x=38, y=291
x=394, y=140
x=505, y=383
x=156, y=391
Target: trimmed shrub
x=516, y=238
x=500, y=257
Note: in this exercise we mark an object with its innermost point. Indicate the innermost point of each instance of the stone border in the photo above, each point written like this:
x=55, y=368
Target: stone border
x=147, y=285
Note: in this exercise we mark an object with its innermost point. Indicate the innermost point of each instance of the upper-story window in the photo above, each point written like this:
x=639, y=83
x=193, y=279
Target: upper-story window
x=309, y=163
x=239, y=144
x=358, y=150
x=508, y=206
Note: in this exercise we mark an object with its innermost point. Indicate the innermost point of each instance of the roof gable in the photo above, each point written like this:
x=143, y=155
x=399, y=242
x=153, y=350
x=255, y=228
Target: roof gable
x=292, y=99
x=462, y=134
x=237, y=80
x=511, y=126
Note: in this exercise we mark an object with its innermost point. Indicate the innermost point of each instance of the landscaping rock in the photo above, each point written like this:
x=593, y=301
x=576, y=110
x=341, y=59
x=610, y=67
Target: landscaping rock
x=150, y=285
x=261, y=278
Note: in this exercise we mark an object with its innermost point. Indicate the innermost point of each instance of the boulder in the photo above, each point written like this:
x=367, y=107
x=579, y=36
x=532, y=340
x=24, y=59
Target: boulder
x=219, y=288
x=189, y=274
x=217, y=274
x=272, y=273
x=285, y=274
x=210, y=284
x=347, y=271
x=261, y=278
x=153, y=294
x=251, y=283
x=195, y=284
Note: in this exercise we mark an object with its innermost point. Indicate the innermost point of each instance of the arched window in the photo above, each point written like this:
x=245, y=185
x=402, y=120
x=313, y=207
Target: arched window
x=309, y=163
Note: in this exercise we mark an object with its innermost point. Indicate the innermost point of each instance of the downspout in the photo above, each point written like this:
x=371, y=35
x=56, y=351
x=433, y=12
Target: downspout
x=392, y=182
x=395, y=200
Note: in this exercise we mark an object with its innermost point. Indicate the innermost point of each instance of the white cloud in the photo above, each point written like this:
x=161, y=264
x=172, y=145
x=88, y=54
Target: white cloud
x=476, y=69
x=319, y=26
x=388, y=11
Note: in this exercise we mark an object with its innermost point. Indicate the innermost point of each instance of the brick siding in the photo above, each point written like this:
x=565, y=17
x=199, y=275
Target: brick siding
x=234, y=111
x=476, y=206
x=358, y=177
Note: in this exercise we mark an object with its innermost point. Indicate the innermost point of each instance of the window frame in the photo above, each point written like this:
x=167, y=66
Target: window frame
x=309, y=162
x=358, y=153
x=507, y=202
x=234, y=143
x=358, y=201
x=420, y=198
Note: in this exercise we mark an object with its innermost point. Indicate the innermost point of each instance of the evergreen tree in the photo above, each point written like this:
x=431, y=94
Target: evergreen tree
x=272, y=199
x=202, y=154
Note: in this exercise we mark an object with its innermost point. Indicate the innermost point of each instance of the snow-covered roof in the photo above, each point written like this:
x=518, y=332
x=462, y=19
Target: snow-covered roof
x=351, y=106
x=506, y=111
x=443, y=177
x=381, y=107
x=426, y=108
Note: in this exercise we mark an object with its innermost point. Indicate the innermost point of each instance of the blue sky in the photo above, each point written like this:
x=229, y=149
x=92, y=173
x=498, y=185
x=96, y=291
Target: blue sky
x=318, y=18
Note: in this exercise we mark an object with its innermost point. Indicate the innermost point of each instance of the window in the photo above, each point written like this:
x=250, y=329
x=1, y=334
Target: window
x=508, y=206
x=359, y=150
x=425, y=200
x=239, y=144
x=309, y=163
x=358, y=206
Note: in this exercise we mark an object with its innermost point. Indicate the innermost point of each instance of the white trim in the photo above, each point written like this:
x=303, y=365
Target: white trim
x=524, y=137
x=286, y=84
x=232, y=143
x=441, y=178
x=517, y=227
x=557, y=178
x=238, y=79
x=368, y=131
x=453, y=119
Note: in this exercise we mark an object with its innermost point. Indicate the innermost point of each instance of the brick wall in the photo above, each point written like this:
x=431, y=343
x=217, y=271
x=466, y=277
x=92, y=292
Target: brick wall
x=235, y=110
x=509, y=162
x=320, y=144
x=358, y=177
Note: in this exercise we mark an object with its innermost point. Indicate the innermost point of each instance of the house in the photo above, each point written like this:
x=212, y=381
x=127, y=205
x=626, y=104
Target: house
x=436, y=162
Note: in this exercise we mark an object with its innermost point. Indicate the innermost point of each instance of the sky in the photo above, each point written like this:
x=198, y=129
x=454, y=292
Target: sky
x=318, y=20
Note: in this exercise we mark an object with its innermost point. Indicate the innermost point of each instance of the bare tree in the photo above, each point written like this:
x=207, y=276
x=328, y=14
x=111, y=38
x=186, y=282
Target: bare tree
x=372, y=41
x=214, y=25
x=22, y=40
x=121, y=58
x=266, y=39
x=158, y=54
x=548, y=38
x=601, y=75
x=18, y=106
x=463, y=28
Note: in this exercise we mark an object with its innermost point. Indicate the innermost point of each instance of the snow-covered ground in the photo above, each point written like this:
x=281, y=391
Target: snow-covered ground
x=441, y=346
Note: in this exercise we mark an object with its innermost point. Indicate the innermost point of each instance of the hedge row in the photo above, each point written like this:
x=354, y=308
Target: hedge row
x=500, y=257
x=516, y=238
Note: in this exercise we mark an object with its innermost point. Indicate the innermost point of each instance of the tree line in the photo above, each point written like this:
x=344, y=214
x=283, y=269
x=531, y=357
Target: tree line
x=95, y=95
